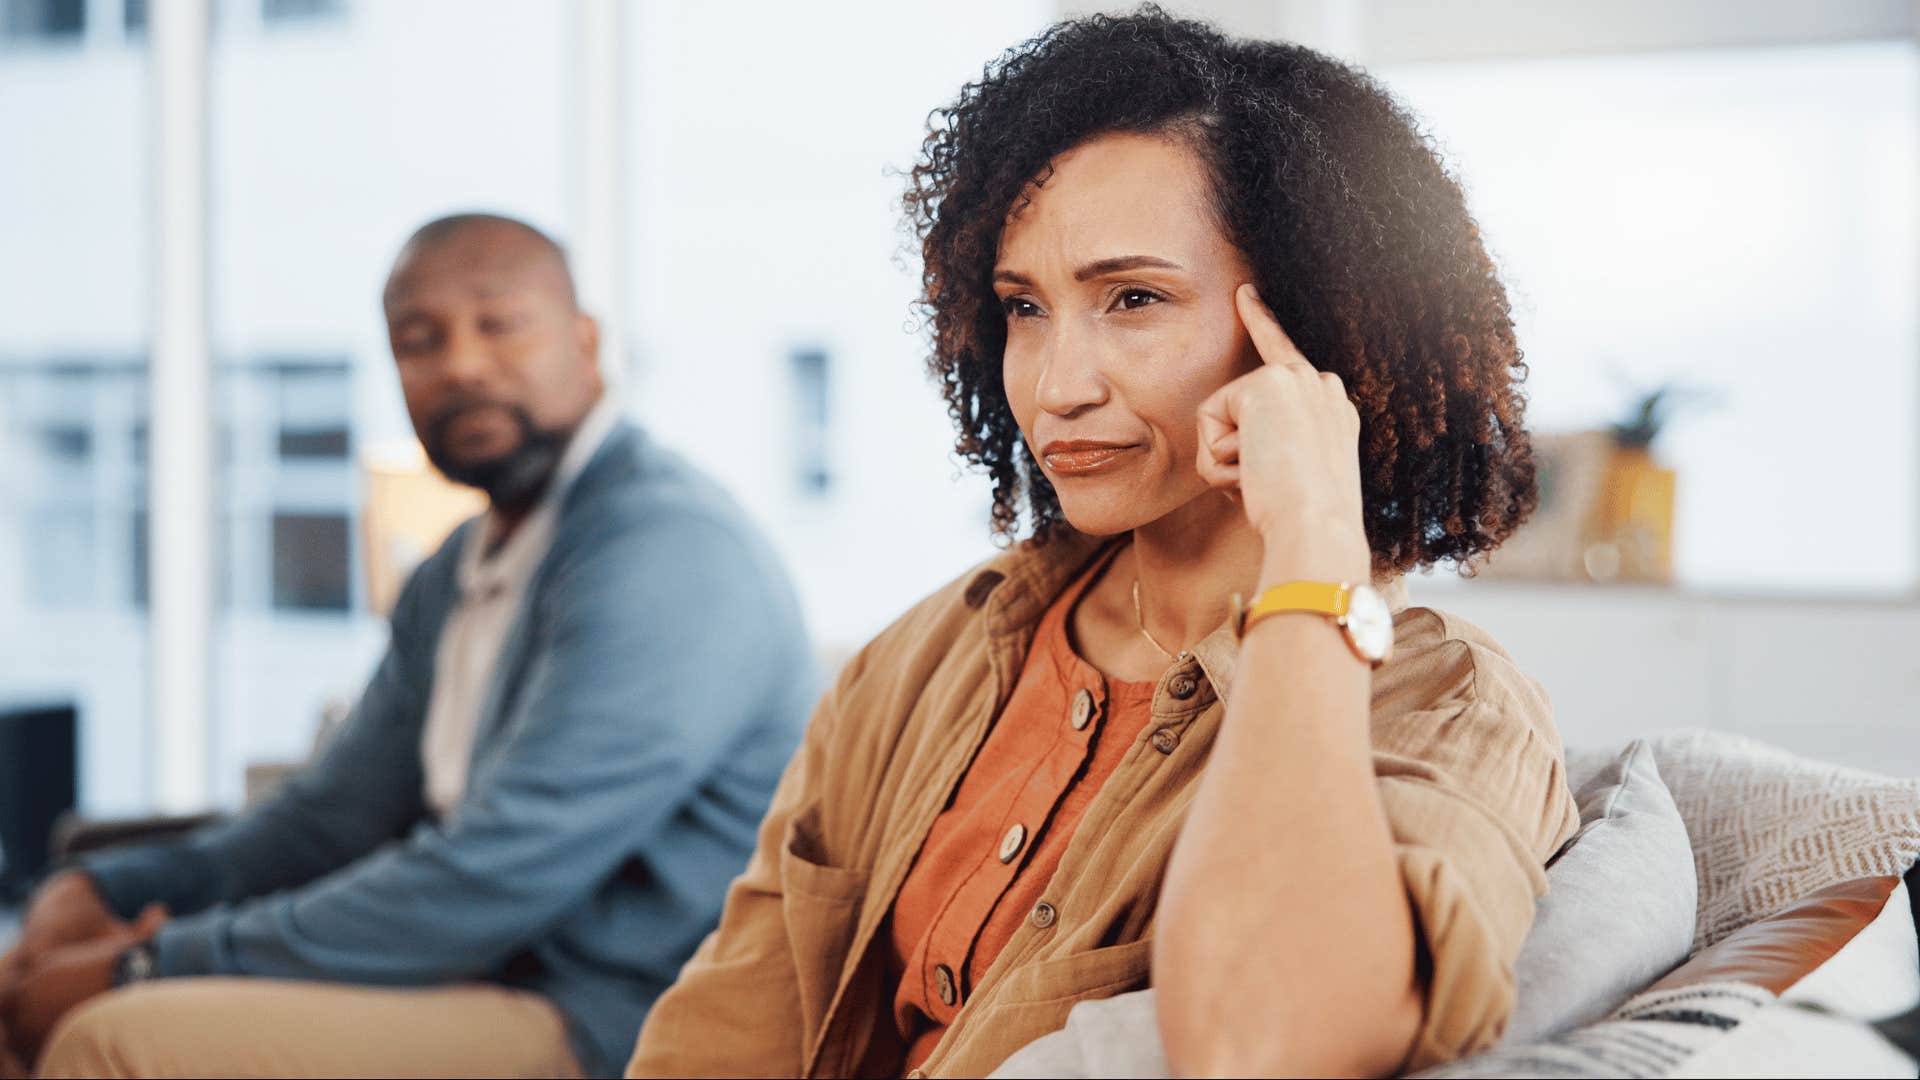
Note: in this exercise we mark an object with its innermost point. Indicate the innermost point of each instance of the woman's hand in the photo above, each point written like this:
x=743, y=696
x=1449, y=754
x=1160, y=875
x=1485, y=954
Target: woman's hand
x=1286, y=438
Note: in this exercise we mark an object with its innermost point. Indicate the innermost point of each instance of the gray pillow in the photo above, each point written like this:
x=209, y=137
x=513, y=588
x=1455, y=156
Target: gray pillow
x=1621, y=899
x=1618, y=914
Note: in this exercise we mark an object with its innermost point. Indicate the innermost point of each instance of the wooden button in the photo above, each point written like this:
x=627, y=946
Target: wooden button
x=1010, y=844
x=943, y=981
x=1082, y=712
x=1165, y=740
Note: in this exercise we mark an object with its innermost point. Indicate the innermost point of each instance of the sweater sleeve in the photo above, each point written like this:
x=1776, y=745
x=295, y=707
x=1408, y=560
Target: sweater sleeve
x=362, y=791
x=631, y=696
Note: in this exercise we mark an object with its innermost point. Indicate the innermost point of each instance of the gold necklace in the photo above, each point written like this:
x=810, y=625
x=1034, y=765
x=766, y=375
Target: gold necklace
x=1141, y=618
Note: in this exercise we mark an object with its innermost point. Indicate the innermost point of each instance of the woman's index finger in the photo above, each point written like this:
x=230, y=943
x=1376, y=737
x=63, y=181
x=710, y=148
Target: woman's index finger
x=1269, y=337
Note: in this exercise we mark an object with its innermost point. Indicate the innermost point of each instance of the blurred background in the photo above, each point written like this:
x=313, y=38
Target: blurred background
x=1706, y=211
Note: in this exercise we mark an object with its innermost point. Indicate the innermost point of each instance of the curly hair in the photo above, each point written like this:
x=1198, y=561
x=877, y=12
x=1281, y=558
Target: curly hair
x=1359, y=240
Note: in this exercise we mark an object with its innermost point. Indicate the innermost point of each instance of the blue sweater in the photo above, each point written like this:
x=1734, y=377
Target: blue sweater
x=648, y=695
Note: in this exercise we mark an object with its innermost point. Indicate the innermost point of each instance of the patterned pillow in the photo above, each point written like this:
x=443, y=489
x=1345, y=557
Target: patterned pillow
x=1769, y=827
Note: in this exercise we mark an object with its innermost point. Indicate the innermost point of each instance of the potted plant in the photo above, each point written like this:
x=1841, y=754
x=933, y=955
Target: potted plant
x=1633, y=527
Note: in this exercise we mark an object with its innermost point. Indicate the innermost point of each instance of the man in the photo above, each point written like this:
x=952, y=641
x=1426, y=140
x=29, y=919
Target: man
x=531, y=817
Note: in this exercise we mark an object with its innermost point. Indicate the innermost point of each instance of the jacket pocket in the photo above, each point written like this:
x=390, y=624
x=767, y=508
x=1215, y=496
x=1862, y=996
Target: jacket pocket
x=821, y=904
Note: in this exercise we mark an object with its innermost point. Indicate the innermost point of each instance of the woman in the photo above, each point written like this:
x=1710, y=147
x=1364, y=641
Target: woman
x=1217, y=323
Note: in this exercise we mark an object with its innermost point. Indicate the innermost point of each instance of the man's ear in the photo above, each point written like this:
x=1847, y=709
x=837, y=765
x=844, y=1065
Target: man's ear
x=586, y=333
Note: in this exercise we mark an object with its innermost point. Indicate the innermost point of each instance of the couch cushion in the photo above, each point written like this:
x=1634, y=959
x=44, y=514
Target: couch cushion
x=1621, y=900
x=1849, y=948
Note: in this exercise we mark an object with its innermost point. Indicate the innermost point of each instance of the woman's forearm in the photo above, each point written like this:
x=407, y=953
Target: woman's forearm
x=1286, y=942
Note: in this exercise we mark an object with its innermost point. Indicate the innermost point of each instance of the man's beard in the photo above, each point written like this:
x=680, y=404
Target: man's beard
x=513, y=480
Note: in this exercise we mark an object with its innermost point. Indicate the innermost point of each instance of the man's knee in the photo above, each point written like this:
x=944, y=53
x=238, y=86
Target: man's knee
x=101, y=1037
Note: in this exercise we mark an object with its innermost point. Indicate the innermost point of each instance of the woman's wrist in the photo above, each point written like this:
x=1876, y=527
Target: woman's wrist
x=1329, y=553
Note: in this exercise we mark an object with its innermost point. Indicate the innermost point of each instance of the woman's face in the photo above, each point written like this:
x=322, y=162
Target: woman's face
x=1117, y=286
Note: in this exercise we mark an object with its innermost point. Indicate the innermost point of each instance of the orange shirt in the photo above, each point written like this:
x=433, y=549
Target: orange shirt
x=992, y=852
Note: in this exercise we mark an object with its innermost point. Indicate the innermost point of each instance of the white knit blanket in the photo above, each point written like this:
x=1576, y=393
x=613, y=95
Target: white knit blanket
x=1769, y=827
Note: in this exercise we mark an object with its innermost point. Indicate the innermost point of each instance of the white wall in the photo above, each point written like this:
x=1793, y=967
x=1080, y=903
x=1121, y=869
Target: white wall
x=768, y=218
x=1836, y=679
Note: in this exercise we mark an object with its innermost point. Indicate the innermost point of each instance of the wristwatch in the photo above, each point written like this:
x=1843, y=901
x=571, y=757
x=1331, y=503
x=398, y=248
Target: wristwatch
x=134, y=965
x=1359, y=611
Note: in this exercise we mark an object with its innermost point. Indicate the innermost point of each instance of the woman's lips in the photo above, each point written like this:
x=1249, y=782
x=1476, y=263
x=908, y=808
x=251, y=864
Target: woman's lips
x=1081, y=458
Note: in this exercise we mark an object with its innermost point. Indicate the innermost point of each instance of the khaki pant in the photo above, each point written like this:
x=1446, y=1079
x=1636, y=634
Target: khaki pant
x=266, y=1027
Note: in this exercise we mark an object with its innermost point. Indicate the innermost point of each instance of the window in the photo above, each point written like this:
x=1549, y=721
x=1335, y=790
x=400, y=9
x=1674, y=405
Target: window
x=60, y=558
x=67, y=442
x=71, y=468
x=313, y=402
x=812, y=470
x=273, y=11
x=310, y=560
x=46, y=20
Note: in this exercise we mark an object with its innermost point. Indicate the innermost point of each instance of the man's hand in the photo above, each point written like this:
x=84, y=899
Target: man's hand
x=10, y=1066
x=51, y=983
x=65, y=910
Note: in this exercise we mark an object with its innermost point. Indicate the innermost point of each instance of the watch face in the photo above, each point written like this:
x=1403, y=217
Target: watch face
x=1369, y=623
x=134, y=965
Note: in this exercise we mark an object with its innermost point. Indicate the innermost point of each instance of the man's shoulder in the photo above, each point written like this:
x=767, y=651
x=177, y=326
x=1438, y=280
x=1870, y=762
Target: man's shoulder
x=634, y=482
x=640, y=511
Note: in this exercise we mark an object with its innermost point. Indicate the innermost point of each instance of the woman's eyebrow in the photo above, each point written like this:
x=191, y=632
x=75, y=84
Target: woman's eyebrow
x=1121, y=263
x=1098, y=268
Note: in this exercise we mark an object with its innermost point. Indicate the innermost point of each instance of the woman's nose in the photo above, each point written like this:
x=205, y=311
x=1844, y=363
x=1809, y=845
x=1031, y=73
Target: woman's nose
x=1070, y=375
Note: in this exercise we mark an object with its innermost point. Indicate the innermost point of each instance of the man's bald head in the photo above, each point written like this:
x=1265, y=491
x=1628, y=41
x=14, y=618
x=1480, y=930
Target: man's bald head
x=479, y=243
x=497, y=361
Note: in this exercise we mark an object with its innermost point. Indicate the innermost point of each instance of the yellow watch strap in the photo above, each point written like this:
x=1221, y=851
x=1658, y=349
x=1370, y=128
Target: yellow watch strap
x=1320, y=597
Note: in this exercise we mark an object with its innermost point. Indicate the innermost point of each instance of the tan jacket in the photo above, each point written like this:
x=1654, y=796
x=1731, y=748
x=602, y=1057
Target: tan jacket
x=792, y=982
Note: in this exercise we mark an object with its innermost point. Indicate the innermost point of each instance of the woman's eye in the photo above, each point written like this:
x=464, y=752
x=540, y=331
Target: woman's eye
x=1019, y=308
x=1129, y=299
